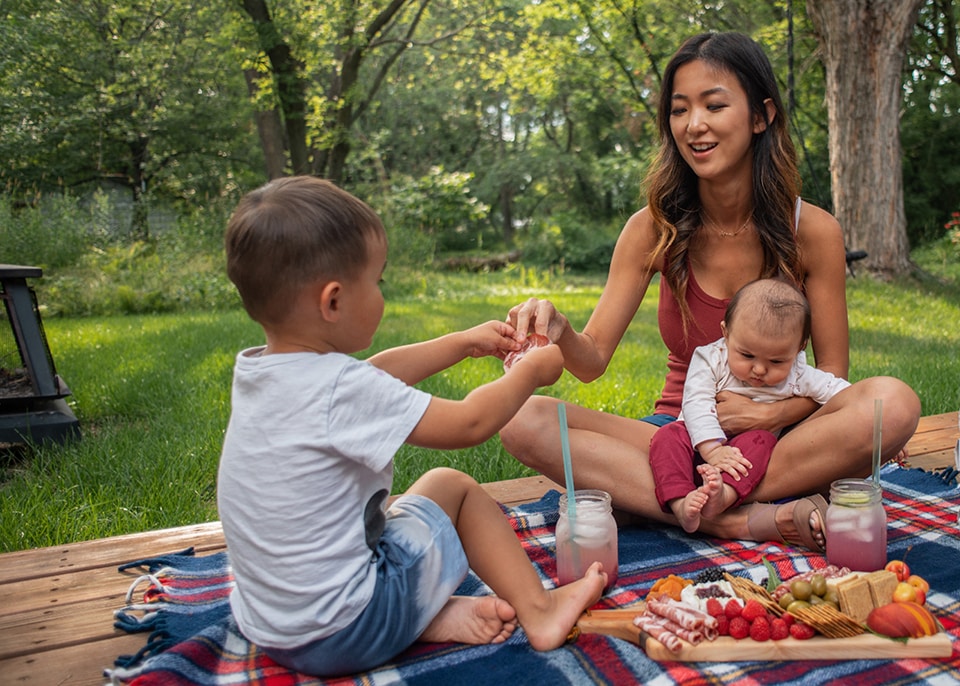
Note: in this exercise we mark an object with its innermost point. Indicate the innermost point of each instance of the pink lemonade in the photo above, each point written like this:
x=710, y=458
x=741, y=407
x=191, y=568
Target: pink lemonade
x=593, y=538
x=573, y=564
x=856, y=526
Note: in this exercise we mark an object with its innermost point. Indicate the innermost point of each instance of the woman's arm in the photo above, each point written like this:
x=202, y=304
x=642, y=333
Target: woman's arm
x=825, y=284
x=587, y=354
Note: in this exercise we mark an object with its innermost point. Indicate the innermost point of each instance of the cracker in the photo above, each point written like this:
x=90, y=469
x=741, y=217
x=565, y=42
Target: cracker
x=882, y=584
x=855, y=597
x=829, y=621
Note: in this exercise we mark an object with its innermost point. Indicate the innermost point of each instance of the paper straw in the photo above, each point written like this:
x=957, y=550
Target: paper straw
x=567, y=465
x=877, y=441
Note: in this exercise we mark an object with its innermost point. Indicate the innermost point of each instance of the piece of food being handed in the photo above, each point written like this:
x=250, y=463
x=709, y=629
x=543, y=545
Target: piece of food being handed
x=534, y=340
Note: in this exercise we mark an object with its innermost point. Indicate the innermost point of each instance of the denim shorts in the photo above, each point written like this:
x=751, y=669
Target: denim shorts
x=420, y=563
x=658, y=419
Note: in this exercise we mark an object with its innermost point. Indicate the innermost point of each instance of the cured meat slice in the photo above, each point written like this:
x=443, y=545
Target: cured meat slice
x=655, y=627
x=684, y=615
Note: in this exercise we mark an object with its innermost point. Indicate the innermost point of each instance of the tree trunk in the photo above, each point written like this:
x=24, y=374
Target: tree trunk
x=864, y=44
x=291, y=88
x=269, y=129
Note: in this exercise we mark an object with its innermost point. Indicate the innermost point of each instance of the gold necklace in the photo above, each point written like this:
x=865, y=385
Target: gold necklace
x=728, y=234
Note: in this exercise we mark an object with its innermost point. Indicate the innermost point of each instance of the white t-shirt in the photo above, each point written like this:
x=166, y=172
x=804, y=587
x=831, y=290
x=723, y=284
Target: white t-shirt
x=306, y=467
x=709, y=373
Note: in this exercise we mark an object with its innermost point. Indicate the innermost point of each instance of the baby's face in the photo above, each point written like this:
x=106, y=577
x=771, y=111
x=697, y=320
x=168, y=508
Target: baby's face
x=760, y=359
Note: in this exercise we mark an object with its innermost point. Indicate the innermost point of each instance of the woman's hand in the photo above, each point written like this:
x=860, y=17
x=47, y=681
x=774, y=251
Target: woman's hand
x=537, y=316
x=737, y=413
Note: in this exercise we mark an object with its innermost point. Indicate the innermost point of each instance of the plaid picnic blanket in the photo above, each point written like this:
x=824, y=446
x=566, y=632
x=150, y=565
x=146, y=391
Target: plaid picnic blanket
x=194, y=640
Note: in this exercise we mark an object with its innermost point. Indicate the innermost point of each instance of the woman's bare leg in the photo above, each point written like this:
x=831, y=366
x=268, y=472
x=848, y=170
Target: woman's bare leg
x=607, y=452
x=611, y=452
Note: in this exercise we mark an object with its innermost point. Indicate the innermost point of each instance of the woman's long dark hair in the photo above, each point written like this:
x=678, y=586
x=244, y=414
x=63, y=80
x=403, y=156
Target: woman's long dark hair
x=672, y=195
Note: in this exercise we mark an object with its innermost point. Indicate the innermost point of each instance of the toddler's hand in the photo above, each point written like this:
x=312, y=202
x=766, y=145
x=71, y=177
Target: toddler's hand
x=491, y=338
x=547, y=360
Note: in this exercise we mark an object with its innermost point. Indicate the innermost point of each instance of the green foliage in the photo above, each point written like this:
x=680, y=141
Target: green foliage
x=55, y=232
x=568, y=240
x=440, y=205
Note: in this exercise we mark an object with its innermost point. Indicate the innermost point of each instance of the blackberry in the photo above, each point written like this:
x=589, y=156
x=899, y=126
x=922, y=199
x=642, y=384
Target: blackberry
x=709, y=575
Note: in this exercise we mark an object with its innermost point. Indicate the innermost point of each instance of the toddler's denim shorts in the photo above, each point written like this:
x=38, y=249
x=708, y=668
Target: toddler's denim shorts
x=420, y=563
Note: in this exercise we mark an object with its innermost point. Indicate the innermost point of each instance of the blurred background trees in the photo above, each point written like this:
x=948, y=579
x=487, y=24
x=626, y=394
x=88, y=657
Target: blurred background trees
x=469, y=124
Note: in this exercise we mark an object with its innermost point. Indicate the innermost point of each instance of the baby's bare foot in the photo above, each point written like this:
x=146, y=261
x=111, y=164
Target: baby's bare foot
x=688, y=509
x=547, y=627
x=472, y=620
x=719, y=495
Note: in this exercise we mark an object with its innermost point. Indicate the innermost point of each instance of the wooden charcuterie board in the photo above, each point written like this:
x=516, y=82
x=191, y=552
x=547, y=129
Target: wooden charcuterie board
x=619, y=623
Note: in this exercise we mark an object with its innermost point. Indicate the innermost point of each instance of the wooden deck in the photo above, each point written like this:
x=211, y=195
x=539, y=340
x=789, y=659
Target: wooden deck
x=57, y=603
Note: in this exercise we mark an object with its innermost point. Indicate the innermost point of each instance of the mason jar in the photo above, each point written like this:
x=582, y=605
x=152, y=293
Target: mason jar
x=593, y=537
x=856, y=526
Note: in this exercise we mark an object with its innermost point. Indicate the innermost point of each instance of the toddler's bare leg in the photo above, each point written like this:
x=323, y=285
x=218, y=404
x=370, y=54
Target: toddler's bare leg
x=497, y=557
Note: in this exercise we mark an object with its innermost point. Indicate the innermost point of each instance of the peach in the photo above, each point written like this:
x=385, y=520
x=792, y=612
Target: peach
x=902, y=620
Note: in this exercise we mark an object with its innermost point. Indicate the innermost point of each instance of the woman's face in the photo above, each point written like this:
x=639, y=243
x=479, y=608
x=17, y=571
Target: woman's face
x=711, y=121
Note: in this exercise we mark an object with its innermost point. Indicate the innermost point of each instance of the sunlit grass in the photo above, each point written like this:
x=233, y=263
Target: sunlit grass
x=152, y=392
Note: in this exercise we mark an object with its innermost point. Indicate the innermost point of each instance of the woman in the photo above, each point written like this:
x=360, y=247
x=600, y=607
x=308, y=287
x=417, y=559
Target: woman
x=723, y=210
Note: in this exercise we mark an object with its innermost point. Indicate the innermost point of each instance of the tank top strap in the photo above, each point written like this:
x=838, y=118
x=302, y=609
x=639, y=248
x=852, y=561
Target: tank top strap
x=796, y=215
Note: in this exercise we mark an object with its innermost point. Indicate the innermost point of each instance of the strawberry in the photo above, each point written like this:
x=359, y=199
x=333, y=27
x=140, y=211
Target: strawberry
x=739, y=628
x=801, y=631
x=778, y=629
x=752, y=610
x=760, y=628
x=733, y=608
x=714, y=607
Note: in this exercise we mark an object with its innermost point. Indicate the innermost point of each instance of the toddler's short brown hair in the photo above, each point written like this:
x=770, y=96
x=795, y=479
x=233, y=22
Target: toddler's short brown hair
x=291, y=232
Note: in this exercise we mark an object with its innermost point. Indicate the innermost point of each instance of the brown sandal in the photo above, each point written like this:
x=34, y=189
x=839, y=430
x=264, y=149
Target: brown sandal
x=762, y=521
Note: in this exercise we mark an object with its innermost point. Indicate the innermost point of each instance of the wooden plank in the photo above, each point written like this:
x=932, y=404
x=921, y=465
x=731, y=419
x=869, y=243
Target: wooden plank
x=75, y=665
x=113, y=551
x=42, y=629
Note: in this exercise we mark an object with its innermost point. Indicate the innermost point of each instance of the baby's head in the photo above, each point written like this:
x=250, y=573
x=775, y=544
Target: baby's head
x=766, y=324
x=289, y=234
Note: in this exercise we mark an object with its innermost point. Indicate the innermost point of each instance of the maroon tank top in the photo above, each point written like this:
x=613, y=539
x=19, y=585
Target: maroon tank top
x=706, y=313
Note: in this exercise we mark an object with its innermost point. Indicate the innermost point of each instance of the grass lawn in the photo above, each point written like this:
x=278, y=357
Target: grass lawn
x=152, y=394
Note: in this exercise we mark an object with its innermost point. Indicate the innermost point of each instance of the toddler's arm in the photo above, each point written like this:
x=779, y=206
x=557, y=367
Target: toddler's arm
x=449, y=424
x=415, y=362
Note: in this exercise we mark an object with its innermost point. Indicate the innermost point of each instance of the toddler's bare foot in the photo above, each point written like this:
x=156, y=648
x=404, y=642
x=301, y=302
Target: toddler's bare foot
x=477, y=621
x=547, y=627
x=720, y=495
x=688, y=509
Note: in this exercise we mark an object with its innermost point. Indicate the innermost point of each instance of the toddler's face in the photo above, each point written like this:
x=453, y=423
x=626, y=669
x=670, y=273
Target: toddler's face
x=760, y=359
x=363, y=300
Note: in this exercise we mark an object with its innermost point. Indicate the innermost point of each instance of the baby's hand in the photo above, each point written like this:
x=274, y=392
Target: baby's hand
x=547, y=360
x=727, y=459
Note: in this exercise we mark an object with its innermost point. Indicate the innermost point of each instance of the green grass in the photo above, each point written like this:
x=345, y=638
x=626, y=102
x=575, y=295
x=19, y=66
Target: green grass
x=152, y=392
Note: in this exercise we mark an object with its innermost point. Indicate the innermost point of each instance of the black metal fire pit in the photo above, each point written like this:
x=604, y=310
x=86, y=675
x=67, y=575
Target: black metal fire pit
x=32, y=408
